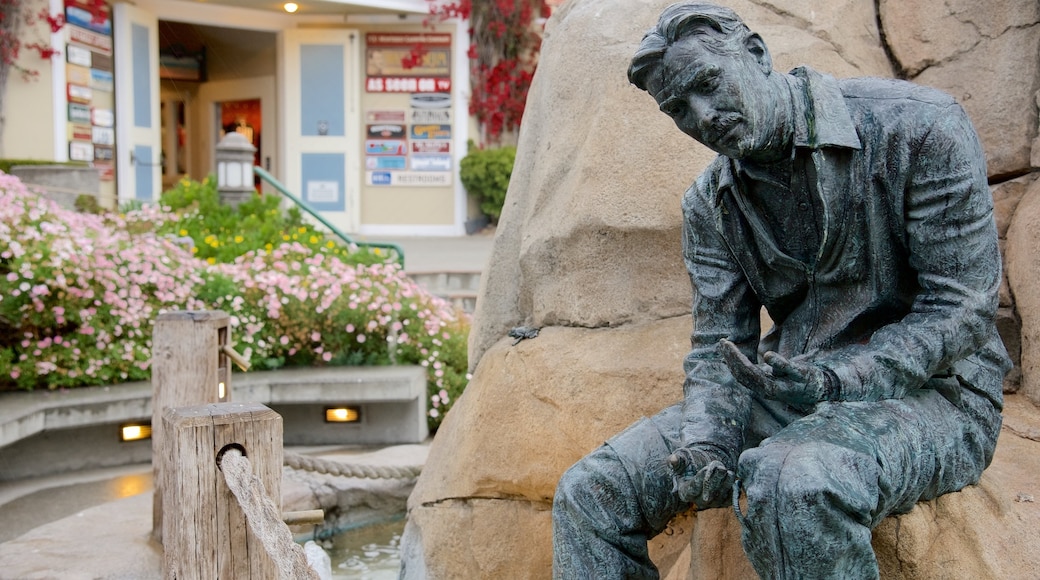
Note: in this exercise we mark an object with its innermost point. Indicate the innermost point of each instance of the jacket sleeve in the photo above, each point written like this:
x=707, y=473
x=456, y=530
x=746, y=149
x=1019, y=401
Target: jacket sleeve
x=716, y=409
x=952, y=244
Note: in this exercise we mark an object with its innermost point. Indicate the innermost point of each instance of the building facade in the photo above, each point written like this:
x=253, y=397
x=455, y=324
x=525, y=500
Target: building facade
x=146, y=91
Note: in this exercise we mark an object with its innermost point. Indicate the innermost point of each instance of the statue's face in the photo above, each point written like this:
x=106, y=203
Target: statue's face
x=722, y=101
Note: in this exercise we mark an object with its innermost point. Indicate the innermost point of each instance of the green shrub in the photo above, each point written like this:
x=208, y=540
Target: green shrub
x=485, y=175
x=222, y=233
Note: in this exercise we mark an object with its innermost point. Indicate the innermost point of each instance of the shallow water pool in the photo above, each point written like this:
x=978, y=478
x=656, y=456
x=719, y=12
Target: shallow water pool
x=372, y=552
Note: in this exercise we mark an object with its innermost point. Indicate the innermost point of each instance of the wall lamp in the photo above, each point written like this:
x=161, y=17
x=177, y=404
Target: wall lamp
x=135, y=431
x=342, y=414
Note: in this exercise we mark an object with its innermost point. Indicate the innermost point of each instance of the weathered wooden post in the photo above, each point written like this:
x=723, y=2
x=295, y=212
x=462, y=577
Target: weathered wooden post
x=189, y=367
x=205, y=531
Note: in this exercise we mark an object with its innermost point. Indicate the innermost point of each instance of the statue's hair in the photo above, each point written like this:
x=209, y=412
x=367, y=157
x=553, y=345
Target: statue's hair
x=717, y=28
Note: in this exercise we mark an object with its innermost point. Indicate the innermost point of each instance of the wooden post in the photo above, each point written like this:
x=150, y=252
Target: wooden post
x=205, y=532
x=188, y=366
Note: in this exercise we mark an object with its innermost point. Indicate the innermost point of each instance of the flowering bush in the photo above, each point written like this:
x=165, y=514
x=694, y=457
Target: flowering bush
x=79, y=292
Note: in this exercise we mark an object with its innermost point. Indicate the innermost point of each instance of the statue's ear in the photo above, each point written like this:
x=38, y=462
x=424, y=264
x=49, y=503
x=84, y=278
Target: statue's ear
x=757, y=47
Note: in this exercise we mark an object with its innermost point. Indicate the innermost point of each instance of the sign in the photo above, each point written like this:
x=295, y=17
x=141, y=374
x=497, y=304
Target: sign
x=323, y=191
x=77, y=75
x=431, y=147
x=78, y=132
x=431, y=101
x=102, y=117
x=93, y=16
x=78, y=55
x=431, y=116
x=386, y=162
x=79, y=113
x=79, y=94
x=386, y=131
x=407, y=85
x=80, y=151
x=431, y=163
x=382, y=147
x=106, y=171
x=384, y=117
x=431, y=132
x=104, y=136
x=104, y=153
x=408, y=178
x=101, y=80
x=90, y=38
x=101, y=61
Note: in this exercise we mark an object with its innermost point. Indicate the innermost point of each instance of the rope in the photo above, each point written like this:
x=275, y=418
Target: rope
x=318, y=465
x=265, y=519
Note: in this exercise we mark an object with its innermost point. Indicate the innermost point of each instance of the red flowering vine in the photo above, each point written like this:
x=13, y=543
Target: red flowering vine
x=503, y=56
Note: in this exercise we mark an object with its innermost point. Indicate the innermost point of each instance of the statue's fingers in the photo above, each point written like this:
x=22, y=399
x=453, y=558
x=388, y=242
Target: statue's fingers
x=782, y=367
x=714, y=479
x=742, y=369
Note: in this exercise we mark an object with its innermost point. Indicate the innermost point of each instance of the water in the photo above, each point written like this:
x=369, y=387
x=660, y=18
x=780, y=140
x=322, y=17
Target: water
x=372, y=552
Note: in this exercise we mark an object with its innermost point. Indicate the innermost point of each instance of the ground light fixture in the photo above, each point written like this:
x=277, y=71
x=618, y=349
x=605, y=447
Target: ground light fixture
x=135, y=431
x=342, y=414
x=290, y=7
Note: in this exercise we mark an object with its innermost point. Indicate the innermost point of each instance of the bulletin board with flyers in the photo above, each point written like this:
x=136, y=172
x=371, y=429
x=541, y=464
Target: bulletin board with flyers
x=89, y=77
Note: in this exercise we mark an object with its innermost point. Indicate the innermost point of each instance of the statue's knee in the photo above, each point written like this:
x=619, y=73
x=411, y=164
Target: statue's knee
x=578, y=485
x=813, y=476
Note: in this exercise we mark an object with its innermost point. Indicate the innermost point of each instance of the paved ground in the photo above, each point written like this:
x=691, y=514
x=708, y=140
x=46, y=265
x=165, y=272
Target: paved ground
x=461, y=254
x=97, y=524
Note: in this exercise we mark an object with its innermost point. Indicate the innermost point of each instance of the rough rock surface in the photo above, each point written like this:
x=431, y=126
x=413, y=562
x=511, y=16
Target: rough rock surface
x=588, y=250
x=985, y=54
x=1022, y=260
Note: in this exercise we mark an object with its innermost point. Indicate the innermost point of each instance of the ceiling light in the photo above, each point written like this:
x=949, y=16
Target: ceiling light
x=291, y=7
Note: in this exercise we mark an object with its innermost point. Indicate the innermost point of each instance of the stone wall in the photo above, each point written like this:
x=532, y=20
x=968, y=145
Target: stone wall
x=588, y=250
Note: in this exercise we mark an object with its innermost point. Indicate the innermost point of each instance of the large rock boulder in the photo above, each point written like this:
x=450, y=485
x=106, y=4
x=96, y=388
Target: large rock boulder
x=987, y=55
x=1022, y=258
x=588, y=250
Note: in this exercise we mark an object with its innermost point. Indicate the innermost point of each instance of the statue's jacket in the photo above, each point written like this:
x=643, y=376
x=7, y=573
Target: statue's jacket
x=902, y=293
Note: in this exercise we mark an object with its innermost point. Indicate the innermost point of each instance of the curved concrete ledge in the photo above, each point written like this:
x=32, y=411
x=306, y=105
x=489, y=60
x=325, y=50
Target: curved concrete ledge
x=45, y=432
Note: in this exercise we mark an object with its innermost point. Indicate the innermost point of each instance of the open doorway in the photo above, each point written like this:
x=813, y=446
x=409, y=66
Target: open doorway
x=244, y=117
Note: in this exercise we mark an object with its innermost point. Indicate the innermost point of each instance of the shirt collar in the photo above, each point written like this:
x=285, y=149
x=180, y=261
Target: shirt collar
x=826, y=122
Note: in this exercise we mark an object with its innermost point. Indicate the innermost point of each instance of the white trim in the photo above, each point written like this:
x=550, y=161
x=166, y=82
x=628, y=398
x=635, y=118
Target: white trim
x=230, y=17
x=461, y=90
x=60, y=111
x=410, y=231
x=413, y=6
x=367, y=19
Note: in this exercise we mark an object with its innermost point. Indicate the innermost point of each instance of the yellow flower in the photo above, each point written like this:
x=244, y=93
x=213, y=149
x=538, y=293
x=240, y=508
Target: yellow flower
x=211, y=260
x=330, y=244
x=239, y=239
x=303, y=229
x=194, y=250
x=268, y=246
x=314, y=239
x=183, y=232
x=285, y=237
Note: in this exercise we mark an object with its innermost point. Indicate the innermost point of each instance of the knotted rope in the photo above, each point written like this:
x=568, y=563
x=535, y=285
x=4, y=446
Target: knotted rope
x=308, y=463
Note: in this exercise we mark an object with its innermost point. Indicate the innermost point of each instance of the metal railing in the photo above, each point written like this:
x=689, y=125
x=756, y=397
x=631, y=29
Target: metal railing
x=271, y=180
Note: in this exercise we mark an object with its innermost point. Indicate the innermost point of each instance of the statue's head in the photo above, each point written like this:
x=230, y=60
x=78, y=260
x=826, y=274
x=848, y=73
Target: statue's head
x=711, y=75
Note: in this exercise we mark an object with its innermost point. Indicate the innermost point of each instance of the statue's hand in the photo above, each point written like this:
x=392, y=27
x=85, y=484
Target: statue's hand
x=780, y=379
x=700, y=480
